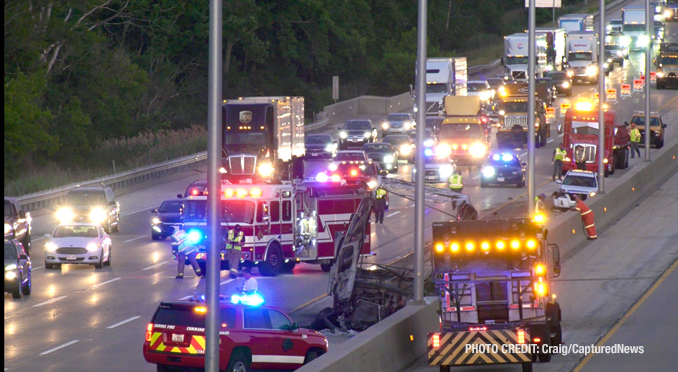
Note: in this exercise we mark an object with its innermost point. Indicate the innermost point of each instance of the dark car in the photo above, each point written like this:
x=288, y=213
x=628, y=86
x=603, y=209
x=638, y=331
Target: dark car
x=384, y=154
x=430, y=139
x=320, y=146
x=166, y=218
x=503, y=168
x=397, y=123
x=17, y=224
x=17, y=269
x=562, y=81
x=608, y=64
x=356, y=133
x=403, y=144
x=196, y=188
x=92, y=203
x=617, y=52
x=546, y=90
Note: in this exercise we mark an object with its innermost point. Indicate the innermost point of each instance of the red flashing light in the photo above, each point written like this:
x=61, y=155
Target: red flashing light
x=336, y=178
x=194, y=192
x=149, y=328
x=477, y=329
x=354, y=172
x=536, y=340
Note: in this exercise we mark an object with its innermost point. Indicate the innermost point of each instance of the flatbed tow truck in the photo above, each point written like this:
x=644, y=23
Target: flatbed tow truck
x=494, y=282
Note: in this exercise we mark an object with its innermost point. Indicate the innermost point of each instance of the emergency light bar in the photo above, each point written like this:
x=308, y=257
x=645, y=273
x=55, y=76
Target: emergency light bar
x=241, y=193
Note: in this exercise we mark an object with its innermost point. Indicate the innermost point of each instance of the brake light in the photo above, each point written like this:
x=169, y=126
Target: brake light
x=194, y=192
x=521, y=337
x=149, y=328
x=536, y=339
x=354, y=172
x=436, y=340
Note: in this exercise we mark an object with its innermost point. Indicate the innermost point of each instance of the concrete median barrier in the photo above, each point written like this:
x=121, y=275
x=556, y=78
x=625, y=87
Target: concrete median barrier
x=389, y=345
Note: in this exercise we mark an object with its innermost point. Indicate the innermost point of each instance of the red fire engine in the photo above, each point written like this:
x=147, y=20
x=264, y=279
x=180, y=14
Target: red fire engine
x=581, y=130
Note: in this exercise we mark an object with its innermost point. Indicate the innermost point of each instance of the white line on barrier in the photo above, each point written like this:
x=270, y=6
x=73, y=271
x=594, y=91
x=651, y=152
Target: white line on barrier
x=226, y=281
x=123, y=322
x=186, y=297
x=106, y=282
x=59, y=347
x=523, y=154
x=393, y=214
x=55, y=299
x=138, y=237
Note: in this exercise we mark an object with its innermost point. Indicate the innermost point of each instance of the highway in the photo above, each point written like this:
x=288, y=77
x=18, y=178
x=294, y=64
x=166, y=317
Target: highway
x=82, y=319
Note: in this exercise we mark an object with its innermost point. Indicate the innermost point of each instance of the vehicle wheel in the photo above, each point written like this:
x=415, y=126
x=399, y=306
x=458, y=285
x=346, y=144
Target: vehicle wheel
x=26, y=289
x=27, y=243
x=155, y=236
x=238, y=363
x=273, y=263
x=660, y=144
x=108, y=261
x=527, y=367
x=16, y=293
x=49, y=266
x=326, y=267
x=162, y=368
x=100, y=265
x=289, y=266
x=544, y=357
x=312, y=355
x=444, y=368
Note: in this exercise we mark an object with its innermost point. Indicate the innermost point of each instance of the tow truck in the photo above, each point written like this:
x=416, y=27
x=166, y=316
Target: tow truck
x=512, y=125
x=667, y=65
x=494, y=282
x=283, y=224
x=657, y=127
x=581, y=129
x=464, y=133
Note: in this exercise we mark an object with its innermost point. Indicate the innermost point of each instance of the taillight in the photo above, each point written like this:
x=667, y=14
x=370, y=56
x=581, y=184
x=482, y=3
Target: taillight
x=149, y=328
x=436, y=340
x=194, y=192
x=521, y=337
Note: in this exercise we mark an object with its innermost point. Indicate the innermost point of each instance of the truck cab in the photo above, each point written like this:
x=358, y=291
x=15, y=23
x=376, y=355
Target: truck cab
x=464, y=134
x=667, y=65
x=516, y=58
x=633, y=26
x=582, y=56
x=444, y=77
x=657, y=127
x=513, y=111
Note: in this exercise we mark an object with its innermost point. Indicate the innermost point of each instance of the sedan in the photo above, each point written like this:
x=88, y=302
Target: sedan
x=562, y=81
x=78, y=243
x=17, y=269
x=166, y=219
x=320, y=146
x=397, y=123
x=356, y=133
x=403, y=144
x=436, y=169
x=503, y=168
x=384, y=154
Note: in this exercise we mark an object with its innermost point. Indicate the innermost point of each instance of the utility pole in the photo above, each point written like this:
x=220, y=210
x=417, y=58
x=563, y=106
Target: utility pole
x=601, y=99
x=531, y=108
x=649, y=23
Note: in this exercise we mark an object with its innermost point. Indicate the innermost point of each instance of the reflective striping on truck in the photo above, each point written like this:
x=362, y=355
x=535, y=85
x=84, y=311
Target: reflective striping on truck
x=196, y=346
x=452, y=347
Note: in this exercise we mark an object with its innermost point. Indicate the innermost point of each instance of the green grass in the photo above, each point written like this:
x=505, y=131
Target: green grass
x=128, y=153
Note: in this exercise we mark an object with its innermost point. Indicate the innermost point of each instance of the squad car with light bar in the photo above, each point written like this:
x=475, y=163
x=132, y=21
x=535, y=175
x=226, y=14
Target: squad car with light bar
x=251, y=335
x=503, y=168
x=494, y=282
x=91, y=204
x=80, y=243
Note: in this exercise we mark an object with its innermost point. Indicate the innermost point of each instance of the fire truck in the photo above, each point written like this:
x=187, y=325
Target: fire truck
x=581, y=129
x=464, y=134
x=512, y=126
x=283, y=224
x=494, y=282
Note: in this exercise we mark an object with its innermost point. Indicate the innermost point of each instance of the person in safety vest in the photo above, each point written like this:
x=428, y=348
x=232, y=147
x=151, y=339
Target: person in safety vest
x=635, y=140
x=455, y=182
x=185, y=249
x=234, y=249
x=580, y=157
x=380, y=196
x=587, y=218
x=539, y=207
x=559, y=155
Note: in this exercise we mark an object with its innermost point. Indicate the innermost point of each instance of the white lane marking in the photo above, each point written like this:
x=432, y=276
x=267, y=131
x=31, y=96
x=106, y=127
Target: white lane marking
x=138, y=237
x=123, y=322
x=523, y=154
x=413, y=204
x=106, y=282
x=226, y=281
x=549, y=141
x=560, y=135
x=156, y=265
x=55, y=299
x=36, y=268
x=476, y=177
x=35, y=240
x=59, y=347
x=135, y=212
x=186, y=297
x=396, y=212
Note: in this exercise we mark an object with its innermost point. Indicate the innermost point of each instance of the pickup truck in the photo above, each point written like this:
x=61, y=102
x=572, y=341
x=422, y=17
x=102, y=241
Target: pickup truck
x=17, y=224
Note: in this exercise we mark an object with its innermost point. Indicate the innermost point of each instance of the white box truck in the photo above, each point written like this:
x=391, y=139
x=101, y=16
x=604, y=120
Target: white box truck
x=515, y=58
x=633, y=26
x=444, y=77
x=576, y=22
x=555, y=46
x=582, y=56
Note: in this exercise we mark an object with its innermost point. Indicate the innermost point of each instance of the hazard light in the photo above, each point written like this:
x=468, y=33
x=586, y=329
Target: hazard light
x=200, y=309
x=539, y=270
x=540, y=288
x=583, y=106
x=470, y=246
x=515, y=244
x=354, y=172
x=501, y=245
x=436, y=340
x=521, y=337
x=477, y=329
x=149, y=330
x=439, y=247
x=531, y=244
x=454, y=247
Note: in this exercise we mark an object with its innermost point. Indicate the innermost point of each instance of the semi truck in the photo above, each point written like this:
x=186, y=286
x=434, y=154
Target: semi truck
x=633, y=26
x=667, y=65
x=671, y=11
x=493, y=278
x=444, y=77
x=582, y=56
x=464, y=133
x=512, y=123
x=516, y=59
x=261, y=135
x=581, y=130
x=576, y=22
x=555, y=46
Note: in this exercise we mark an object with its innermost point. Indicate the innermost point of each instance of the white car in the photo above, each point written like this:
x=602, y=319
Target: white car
x=437, y=169
x=576, y=182
x=78, y=243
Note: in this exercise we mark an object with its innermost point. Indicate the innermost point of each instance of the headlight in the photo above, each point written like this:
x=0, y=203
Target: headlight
x=10, y=274
x=428, y=143
x=50, y=247
x=265, y=169
x=222, y=170
x=619, y=53
x=97, y=215
x=667, y=13
x=446, y=171
x=343, y=134
x=92, y=247
x=443, y=149
x=10, y=267
x=566, y=84
x=368, y=134
x=657, y=9
x=8, y=228
x=329, y=148
x=333, y=167
x=570, y=73
x=388, y=159
x=407, y=125
x=64, y=215
x=155, y=220
x=385, y=126
x=405, y=149
x=488, y=172
x=659, y=74
x=592, y=70
x=567, y=159
x=371, y=184
x=502, y=112
x=625, y=41
x=642, y=41
x=592, y=193
x=477, y=150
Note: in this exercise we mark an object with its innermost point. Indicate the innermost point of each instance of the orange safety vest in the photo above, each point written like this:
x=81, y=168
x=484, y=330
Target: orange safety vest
x=588, y=218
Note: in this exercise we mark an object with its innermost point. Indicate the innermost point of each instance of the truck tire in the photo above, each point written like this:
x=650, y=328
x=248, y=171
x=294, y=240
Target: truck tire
x=238, y=363
x=273, y=263
x=444, y=368
x=326, y=267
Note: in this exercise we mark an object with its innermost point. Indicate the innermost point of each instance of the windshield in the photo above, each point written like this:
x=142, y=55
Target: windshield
x=85, y=198
x=354, y=125
x=449, y=131
x=8, y=209
x=10, y=251
x=244, y=138
x=494, y=83
x=517, y=60
x=558, y=75
x=75, y=231
x=170, y=207
x=514, y=107
x=640, y=120
x=579, y=57
x=396, y=140
x=436, y=88
x=671, y=61
x=434, y=122
x=476, y=87
x=432, y=160
x=398, y=117
x=349, y=156
x=381, y=147
x=231, y=211
x=627, y=28
x=317, y=139
x=579, y=181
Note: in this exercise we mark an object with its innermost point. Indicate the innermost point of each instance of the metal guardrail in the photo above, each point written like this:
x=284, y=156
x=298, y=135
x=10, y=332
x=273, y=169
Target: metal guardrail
x=48, y=198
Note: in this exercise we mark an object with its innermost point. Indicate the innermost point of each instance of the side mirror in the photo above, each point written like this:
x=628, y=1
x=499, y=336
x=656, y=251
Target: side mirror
x=664, y=125
x=555, y=257
x=22, y=214
x=502, y=61
x=23, y=257
x=285, y=327
x=339, y=128
x=295, y=326
x=154, y=211
x=523, y=164
x=179, y=196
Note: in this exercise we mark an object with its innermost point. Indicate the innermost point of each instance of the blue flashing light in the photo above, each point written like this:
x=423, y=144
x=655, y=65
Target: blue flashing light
x=195, y=236
x=253, y=299
x=428, y=152
x=495, y=157
x=507, y=157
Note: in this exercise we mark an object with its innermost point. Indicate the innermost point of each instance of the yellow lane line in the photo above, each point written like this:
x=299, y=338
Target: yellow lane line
x=309, y=302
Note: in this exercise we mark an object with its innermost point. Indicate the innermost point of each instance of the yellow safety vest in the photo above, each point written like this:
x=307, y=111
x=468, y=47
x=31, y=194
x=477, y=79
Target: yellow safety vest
x=380, y=193
x=635, y=135
x=539, y=206
x=560, y=154
x=455, y=181
x=238, y=239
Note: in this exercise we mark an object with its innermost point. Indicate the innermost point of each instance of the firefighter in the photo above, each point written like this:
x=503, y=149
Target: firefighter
x=381, y=196
x=234, y=250
x=185, y=249
x=587, y=218
x=559, y=155
x=635, y=140
x=580, y=157
x=455, y=182
x=539, y=207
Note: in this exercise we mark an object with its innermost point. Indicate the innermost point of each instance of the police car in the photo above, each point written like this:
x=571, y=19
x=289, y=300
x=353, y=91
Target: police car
x=503, y=168
x=251, y=336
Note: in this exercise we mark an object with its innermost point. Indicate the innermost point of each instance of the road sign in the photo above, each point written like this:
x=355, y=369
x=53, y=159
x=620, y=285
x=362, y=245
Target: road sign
x=335, y=88
x=611, y=95
x=563, y=108
x=638, y=85
x=625, y=90
x=551, y=112
x=544, y=3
